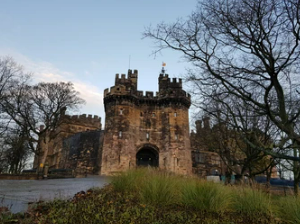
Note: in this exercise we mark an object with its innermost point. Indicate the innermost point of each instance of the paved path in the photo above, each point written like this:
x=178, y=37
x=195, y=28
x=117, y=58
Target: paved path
x=15, y=194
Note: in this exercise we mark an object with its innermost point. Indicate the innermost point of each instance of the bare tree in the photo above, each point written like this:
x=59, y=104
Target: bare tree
x=10, y=71
x=3, y=160
x=10, y=75
x=238, y=136
x=30, y=107
x=15, y=151
x=248, y=48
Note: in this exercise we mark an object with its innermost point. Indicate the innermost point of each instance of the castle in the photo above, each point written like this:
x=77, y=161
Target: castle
x=141, y=129
x=150, y=129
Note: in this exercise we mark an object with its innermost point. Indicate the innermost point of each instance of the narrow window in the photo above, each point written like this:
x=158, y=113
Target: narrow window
x=141, y=114
x=120, y=134
x=147, y=135
x=176, y=137
x=175, y=114
x=153, y=114
x=121, y=111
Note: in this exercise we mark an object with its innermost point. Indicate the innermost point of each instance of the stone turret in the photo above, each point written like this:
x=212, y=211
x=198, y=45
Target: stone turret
x=170, y=91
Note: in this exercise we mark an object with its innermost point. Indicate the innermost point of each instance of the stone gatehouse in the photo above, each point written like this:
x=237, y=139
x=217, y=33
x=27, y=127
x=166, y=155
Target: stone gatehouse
x=141, y=129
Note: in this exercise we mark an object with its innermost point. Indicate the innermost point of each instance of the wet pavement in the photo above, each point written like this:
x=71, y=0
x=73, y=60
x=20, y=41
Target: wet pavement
x=15, y=194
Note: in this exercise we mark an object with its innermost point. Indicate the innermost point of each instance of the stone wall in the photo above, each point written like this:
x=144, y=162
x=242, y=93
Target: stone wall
x=81, y=151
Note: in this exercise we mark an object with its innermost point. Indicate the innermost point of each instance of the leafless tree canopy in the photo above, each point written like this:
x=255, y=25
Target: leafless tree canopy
x=246, y=62
x=10, y=71
x=249, y=49
x=40, y=104
x=27, y=107
x=10, y=75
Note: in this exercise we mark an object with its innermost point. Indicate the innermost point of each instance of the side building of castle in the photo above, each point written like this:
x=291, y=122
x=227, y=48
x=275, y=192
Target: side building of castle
x=140, y=130
x=53, y=149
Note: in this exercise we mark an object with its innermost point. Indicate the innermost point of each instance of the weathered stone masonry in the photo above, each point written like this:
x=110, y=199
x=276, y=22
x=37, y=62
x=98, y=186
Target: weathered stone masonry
x=146, y=129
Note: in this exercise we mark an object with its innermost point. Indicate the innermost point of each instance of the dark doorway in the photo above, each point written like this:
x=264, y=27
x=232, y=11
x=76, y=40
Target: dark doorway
x=147, y=157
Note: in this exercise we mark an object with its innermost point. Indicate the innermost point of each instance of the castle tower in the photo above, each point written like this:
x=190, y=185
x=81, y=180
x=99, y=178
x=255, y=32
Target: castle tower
x=146, y=129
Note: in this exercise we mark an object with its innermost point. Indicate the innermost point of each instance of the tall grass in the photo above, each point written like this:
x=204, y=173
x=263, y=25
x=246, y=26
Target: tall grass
x=129, y=181
x=252, y=202
x=159, y=189
x=162, y=188
x=206, y=196
x=289, y=209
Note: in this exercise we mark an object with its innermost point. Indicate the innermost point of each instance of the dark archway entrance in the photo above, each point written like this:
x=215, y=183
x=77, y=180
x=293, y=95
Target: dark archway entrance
x=147, y=156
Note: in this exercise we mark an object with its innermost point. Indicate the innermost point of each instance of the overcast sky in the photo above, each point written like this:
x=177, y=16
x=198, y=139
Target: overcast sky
x=89, y=41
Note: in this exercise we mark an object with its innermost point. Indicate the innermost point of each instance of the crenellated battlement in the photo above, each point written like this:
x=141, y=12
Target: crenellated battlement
x=83, y=120
x=129, y=77
x=168, y=88
x=165, y=83
x=114, y=91
x=165, y=77
x=129, y=82
x=147, y=94
x=128, y=85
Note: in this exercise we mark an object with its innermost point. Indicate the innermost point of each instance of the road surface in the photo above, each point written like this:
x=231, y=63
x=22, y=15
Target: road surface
x=15, y=194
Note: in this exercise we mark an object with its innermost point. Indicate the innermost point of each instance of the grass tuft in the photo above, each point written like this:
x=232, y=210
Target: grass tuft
x=206, y=196
x=252, y=202
x=159, y=189
x=129, y=181
x=289, y=209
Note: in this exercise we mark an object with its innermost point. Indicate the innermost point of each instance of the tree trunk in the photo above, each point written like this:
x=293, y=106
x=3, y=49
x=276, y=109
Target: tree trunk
x=268, y=185
x=296, y=171
x=296, y=186
x=251, y=181
x=46, y=149
x=227, y=177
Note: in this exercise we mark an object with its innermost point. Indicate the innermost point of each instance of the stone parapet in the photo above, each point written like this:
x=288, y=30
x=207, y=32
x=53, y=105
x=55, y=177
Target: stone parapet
x=128, y=86
x=83, y=120
x=170, y=91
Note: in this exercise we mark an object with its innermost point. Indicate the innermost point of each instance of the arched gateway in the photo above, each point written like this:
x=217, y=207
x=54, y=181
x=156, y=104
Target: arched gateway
x=147, y=156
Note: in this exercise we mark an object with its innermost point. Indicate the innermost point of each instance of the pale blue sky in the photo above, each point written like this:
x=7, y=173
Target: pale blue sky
x=88, y=42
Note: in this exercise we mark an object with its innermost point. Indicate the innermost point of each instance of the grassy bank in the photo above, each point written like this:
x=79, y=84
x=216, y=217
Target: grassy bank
x=148, y=196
